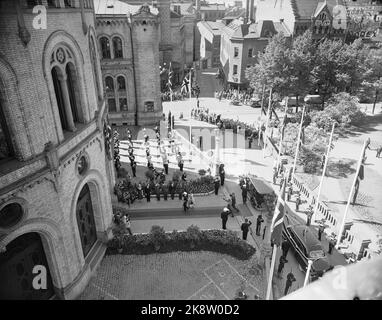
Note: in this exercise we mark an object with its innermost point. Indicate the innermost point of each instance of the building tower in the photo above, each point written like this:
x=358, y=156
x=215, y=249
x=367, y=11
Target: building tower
x=165, y=46
x=56, y=168
x=145, y=43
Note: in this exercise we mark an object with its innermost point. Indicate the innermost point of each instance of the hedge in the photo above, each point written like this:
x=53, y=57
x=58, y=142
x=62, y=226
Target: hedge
x=158, y=241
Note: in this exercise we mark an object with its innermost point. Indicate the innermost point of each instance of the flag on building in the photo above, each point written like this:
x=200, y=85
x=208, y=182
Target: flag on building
x=278, y=217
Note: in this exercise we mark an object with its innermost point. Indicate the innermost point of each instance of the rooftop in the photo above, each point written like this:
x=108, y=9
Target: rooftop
x=115, y=7
x=213, y=27
x=305, y=9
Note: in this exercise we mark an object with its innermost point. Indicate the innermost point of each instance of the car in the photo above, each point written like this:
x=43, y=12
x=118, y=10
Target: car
x=255, y=104
x=307, y=246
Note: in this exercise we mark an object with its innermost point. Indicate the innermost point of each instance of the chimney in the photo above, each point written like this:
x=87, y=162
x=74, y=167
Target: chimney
x=252, y=9
x=246, y=12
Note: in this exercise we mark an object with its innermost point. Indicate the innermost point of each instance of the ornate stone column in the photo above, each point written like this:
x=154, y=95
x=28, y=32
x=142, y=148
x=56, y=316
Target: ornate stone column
x=68, y=108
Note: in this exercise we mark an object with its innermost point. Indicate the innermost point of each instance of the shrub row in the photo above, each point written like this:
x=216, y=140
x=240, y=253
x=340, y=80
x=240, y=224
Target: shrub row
x=158, y=241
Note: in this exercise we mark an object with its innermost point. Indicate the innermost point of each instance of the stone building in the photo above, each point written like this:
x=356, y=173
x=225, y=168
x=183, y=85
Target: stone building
x=210, y=43
x=300, y=15
x=128, y=37
x=56, y=170
x=240, y=44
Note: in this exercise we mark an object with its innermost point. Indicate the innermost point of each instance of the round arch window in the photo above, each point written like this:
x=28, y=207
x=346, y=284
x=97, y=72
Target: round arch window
x=10, y=215
x=82, y=165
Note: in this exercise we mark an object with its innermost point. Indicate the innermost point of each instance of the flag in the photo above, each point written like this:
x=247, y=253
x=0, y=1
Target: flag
x=170, y=74
x=184, y=84
x=278, y=217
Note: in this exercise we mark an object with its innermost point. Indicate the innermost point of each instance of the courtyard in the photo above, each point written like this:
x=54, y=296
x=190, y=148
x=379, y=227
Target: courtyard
x=175, y=276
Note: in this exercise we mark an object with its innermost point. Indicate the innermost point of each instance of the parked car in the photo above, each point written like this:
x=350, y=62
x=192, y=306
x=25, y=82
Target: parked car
x=255, y=104
x=306, y=245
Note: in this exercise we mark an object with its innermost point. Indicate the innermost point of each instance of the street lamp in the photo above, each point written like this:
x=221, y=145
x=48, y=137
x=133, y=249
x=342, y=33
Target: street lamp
x=217, y=149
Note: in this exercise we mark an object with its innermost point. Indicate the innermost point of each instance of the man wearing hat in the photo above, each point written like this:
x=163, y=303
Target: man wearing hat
x=244, y=193
x=217, y=184
x=245, y=228
x=224, y=216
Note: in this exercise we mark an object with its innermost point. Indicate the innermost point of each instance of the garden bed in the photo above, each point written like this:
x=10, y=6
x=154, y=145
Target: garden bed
x=158, y=241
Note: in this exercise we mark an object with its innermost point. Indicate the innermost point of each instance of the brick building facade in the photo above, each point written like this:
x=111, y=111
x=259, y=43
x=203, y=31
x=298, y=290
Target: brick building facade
x=56, y=172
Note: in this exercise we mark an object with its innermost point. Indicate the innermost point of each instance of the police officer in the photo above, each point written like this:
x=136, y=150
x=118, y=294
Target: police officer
x=224, y=216
x=290, y=191
x=285, y=246
x=298, y=200
x=172, y=189
x=217, y=184
x=245, y=228
x=147, y=192
x=134, y=168
x=282, y=262
x=222, y=174
x=258, y=224
x=290, y=279
x=244, y=192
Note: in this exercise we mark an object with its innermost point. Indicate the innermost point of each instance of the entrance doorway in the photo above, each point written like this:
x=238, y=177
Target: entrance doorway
x=85, y=220
x=16, y=266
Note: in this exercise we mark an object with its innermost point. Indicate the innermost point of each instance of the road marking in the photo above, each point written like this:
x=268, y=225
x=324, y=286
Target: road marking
x=105, y=292
x=212, y=266
x=216, y=285
x=241, y=275
x=201, y=289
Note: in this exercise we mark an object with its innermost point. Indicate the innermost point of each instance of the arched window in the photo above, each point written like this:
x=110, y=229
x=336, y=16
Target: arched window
x=56, y=76
x=105, y=48
x=117, y=45
x=95, y=66
x=67, y=88
x=109, y=81
x=110, y=93
x=121, y=83
x=6, y=150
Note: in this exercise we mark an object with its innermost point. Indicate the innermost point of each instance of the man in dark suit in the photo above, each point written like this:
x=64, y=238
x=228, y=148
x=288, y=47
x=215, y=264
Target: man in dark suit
x=245, y=228
x=224, y=216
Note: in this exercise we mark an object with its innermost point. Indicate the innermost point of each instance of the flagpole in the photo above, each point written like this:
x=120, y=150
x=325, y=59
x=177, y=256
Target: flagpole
x=267, y=123
x=190, y=83
x=323, y=172
x=350, y=196
x=281, y=137
x=298, y=143
x=310, y=262
x=273, y=261
x=261, y=114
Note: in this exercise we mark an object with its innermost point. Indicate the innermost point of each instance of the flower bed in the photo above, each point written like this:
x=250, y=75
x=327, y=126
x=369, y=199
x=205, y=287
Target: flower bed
x=158, y=241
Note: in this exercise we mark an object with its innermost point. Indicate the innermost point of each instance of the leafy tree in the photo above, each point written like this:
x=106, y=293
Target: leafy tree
x=326, y=72
x=373, y=73
x=300, y=58
x=343, y=109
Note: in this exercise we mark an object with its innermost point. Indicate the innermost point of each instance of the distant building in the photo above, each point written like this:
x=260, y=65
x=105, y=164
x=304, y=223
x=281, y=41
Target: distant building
x=128, y=37
x=240, y=45
x=210, y=43
x=211, y=11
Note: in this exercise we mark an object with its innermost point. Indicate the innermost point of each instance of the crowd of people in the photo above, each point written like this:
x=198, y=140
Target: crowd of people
x=203, y=114
x=244, y=97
